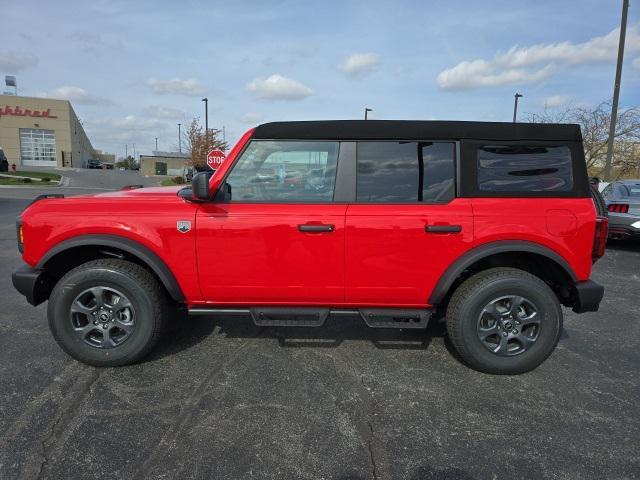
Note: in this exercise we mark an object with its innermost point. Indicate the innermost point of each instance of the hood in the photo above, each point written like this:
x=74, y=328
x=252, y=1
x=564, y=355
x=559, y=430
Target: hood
x=146, y=192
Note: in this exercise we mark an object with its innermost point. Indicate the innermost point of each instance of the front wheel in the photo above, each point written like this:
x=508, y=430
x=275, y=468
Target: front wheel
x=504, y=321
x=107, y=312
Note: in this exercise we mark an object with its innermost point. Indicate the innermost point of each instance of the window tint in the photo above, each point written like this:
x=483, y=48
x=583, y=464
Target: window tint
x=285, y=171
x=519, y=168
x=405, y=172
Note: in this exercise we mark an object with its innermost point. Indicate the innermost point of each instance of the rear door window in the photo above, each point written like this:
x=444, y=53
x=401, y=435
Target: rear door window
x=521, y=168
x=405, y=172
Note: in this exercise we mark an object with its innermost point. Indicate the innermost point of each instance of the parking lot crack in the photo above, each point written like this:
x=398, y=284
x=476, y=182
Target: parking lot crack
x=53, y=442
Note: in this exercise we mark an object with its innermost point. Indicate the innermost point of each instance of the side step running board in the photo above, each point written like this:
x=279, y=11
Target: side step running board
x=316, y=317
x=395, y=318
x=289, y=317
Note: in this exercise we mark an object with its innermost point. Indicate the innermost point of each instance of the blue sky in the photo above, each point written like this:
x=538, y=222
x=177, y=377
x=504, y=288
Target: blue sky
x=133, y=70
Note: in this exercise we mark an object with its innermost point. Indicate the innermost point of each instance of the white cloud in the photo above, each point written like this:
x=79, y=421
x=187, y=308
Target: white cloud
x=360, y=64
x=158, y=111
x=178, y=86
x=252, y=118
x=76, y=95
x=556, y=101
x=16, y=62
x=277, y=87
x=521, y=65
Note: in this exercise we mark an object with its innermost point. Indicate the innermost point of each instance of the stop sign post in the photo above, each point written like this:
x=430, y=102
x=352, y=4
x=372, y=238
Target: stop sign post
x=215, y=159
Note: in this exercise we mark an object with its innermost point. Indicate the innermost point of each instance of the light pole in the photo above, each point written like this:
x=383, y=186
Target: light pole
x=616, y=91
x=515, y=105
x=366, y=111
x=156, y=144
x=206, y=117
x=179, y=139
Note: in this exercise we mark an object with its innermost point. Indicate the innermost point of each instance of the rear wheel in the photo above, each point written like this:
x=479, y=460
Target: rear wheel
x=504, y=321
x=107, y=312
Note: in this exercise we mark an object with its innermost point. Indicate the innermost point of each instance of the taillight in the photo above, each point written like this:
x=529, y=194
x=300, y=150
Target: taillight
x=619, y=207
x=600, y=238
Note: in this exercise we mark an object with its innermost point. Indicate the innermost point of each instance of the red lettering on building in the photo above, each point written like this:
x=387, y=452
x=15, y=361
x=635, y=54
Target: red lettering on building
x=18, y=112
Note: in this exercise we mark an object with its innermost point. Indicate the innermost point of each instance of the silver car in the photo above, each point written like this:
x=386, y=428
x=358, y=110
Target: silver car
x=623, y=203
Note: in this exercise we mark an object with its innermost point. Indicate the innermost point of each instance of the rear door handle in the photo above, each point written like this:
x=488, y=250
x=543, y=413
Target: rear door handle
x=307, y=228
x=443, y=228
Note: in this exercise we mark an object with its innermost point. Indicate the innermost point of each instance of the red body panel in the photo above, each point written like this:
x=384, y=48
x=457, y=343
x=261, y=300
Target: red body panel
x=391, y=260
x=565, y=225
x=148, y=216
x=253, y=253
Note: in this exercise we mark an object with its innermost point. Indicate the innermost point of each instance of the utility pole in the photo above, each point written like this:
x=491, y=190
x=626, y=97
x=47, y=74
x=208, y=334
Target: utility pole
x=126, y=151
x=156, y=144
x=179, y=139
x=616, y=91
x=366, y=111
x=224, y=139
x=206, y=117
x=515, y=106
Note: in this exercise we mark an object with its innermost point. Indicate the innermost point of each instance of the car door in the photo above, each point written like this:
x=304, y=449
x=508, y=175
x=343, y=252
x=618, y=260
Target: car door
x=406, y=226
x=279, y=237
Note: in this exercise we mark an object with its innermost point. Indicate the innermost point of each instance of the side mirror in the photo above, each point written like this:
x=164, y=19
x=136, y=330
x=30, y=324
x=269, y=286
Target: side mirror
x=200, y=185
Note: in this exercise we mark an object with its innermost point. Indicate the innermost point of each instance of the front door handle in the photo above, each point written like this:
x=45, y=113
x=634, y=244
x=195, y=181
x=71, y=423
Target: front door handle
x=310, y=228
x=443, y=228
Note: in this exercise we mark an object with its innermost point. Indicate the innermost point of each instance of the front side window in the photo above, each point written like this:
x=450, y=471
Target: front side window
x=285, y=171
x=405, y=172
x=520, y=168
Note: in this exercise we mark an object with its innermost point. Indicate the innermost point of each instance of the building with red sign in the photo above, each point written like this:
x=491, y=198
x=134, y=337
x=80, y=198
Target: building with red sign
x=42, y=132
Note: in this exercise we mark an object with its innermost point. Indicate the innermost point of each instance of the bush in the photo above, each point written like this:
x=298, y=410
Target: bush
x=45, y=179
x=178, y=180
x=26, y=180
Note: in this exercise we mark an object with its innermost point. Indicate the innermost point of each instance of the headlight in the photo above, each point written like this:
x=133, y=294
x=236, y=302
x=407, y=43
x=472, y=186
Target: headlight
x=636, y=224
x=20, y=235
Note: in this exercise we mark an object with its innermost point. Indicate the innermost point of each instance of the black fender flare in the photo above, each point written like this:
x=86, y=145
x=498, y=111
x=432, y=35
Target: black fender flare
x=486, y=250
x=153, y=261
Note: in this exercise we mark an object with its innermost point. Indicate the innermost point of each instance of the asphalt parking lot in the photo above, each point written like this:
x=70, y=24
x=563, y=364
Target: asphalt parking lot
x=221, y=398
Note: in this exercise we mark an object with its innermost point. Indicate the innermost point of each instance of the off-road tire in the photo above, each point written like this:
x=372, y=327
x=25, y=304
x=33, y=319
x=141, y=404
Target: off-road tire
x=475, y=293
x=140, y=287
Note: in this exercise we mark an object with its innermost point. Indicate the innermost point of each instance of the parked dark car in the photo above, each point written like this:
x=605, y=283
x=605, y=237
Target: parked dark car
x=94, y=163
x=4, y=164
x=623, y=203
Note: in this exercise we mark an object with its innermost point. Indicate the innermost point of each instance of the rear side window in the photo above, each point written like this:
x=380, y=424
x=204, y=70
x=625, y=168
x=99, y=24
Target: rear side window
x=405, y=172
x=520, y=168
x=634, y=190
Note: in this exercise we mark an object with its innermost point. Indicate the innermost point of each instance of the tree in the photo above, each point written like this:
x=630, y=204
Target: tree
x=128, y=163
x=594, y=122
x=199, y=143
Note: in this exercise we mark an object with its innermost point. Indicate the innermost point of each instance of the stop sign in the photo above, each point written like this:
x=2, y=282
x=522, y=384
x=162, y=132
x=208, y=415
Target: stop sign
x=215, y=159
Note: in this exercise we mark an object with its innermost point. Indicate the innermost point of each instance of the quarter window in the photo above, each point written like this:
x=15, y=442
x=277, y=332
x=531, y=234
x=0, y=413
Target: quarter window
x=405, y=172
x=519, y=168
x=285, y=171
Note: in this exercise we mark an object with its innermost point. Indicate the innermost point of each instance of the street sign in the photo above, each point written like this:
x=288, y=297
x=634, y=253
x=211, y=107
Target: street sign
x=215, y=159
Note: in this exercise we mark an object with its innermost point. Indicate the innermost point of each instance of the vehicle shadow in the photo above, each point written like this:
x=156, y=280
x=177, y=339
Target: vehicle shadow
x=189, y=332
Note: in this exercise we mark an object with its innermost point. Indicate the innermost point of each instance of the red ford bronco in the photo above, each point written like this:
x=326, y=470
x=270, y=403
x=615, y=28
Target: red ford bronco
x=489, y=225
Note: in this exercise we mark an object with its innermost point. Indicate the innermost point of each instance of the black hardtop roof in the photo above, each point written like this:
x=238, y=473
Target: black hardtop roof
x=416, y=130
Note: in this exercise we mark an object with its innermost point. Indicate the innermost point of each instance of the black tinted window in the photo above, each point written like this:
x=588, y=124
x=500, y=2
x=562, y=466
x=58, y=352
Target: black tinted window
x=285, y=171
x=405, y=172
x=519, y=168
